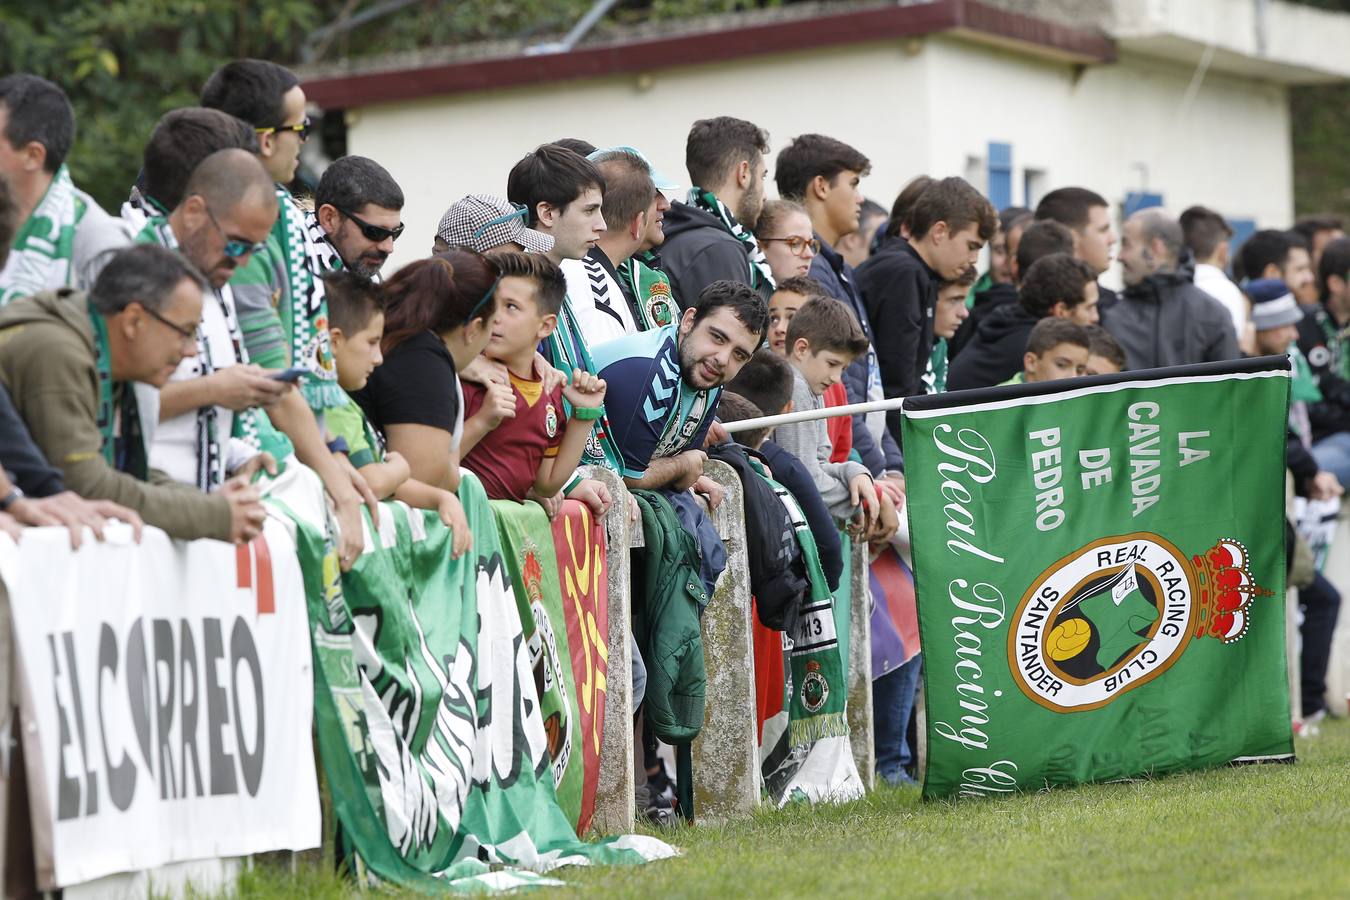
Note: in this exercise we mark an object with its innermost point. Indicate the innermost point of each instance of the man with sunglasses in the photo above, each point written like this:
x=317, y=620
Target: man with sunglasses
x=212, y=421
x=357, y=206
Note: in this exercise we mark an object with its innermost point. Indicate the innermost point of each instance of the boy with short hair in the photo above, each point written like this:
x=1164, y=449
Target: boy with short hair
x=355, y=329
x=950, y=312
x=1105, y=355
x=1057, y=348
x=788, y=296
x=764, y=388
x=525, y=442
x=822, y=340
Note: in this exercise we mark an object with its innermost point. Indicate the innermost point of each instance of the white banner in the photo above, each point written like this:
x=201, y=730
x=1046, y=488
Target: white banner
x=166, y=699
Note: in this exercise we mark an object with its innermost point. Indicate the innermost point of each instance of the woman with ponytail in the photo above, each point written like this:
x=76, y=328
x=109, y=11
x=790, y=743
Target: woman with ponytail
x=438, y=317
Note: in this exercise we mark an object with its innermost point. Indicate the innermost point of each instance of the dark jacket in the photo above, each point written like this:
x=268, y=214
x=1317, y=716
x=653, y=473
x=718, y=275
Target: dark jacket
x=899, y=291
x=698, y=251
x=778, y=578
x=1165, y=320
x=667, y=597
x=839, y=279
x=20, y=456
x=1325, y=346
x=995, y=354
x=986, y=302
x=791, y=474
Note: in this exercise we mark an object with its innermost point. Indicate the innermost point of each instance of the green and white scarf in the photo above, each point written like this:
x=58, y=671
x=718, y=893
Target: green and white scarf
x=40, y=259
x=1338, y=343
x=211, y=457
x=760, y=274
x=935, y=376
x=116, y=405
x=650, y=288
x=304, y=311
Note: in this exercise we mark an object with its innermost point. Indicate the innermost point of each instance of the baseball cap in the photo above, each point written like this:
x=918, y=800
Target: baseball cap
x=484, y=223
x=1273, y=304
x=663, y=184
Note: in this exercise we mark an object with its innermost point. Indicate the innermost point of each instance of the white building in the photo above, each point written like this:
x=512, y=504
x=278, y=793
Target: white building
x=1144, y=101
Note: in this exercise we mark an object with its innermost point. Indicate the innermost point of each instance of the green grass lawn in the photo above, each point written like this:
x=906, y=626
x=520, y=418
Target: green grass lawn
x=1249, y=831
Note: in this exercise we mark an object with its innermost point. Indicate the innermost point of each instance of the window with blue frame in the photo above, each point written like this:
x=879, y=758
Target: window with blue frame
x=1000, y=175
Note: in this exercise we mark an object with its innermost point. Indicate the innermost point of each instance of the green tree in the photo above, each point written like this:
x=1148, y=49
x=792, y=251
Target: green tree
x=124, y=63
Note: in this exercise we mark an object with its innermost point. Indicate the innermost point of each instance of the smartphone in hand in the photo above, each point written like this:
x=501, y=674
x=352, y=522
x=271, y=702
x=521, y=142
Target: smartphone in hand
x=291, y=375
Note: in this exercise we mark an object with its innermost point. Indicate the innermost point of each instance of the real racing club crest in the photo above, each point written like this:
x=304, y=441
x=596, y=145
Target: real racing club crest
x=659, y=304
x=1119, y=612
x=815, y=689
x=551, y=421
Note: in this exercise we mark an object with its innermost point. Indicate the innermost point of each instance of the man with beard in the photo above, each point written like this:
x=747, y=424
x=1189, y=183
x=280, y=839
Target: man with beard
x=711, y=237
x=357, y=204
x=1162, y=319
x=664, y=383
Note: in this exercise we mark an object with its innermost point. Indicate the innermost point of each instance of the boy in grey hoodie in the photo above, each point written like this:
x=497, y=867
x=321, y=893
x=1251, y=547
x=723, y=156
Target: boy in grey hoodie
x=823, y=338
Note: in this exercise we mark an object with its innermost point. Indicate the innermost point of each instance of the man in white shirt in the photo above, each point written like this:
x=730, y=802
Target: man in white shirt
x=1207, y=235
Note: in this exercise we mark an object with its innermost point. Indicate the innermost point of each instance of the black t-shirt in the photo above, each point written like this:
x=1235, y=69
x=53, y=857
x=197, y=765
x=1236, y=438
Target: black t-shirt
x=415, y=385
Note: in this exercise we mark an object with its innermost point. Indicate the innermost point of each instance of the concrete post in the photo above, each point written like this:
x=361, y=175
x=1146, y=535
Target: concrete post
x=726, y=753
x=860, y=665
x=614, y=794
x=1337, y=572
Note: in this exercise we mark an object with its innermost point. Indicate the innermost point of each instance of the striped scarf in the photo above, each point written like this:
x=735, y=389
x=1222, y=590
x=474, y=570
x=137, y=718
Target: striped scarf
x=40, y=259
x=304, y=311
x=211, y=457
x=760, y=274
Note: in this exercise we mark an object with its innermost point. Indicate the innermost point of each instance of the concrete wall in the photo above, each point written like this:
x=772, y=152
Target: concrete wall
x=930, y=105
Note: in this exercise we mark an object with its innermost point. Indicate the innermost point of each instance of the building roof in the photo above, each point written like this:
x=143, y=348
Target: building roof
x=363, y=82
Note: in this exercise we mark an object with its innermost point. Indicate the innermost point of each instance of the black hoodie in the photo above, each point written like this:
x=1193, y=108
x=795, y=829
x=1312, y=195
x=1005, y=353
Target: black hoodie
x=986, y=302
x=995, y=353
x=698, y=250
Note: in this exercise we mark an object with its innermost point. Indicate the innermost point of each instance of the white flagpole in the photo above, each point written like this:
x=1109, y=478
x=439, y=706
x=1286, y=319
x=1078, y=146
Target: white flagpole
x=810, y=415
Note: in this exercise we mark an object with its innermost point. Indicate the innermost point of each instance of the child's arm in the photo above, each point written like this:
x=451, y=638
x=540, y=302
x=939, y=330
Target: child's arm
x=423, y=496
x=586, y=392
x=499, y=402
x=385, y=477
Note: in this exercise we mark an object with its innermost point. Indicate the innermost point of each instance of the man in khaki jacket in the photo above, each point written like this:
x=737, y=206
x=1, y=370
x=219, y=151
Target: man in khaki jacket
x=69, y=359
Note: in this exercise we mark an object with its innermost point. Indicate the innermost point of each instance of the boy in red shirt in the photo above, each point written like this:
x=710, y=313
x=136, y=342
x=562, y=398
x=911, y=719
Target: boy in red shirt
x=517, y=438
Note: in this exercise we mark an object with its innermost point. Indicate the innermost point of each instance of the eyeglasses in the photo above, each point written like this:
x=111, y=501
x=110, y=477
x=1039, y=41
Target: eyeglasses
x=374, y=233
x=797, y=245
x=234, y=247
x=186, y=336
x=302, y=130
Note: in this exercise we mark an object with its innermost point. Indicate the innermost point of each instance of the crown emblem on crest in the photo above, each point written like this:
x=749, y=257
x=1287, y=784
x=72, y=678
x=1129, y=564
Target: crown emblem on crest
x=1226, y=589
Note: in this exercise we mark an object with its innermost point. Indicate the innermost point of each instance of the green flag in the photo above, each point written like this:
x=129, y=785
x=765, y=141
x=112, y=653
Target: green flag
x=428, y=720
x=1099, y=567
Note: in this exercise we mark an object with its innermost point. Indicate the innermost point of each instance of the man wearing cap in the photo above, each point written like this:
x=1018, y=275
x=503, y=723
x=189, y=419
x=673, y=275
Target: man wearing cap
x=1275, y=316
x=604, y=307
x=1162, y=318
x=485, y=223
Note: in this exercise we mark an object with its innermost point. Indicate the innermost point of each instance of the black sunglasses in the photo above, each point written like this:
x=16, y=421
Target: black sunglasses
x=302, y=129
x=374, y=233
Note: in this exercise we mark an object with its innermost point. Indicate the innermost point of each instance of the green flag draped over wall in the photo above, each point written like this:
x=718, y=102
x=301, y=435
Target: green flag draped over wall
x=1100, y=573
x=428, y=720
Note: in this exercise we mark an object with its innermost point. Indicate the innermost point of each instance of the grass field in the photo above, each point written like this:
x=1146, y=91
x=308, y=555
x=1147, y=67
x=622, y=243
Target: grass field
x=1270, y=830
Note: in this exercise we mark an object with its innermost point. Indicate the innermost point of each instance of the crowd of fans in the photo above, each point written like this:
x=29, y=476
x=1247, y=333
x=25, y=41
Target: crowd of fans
x=155, y=362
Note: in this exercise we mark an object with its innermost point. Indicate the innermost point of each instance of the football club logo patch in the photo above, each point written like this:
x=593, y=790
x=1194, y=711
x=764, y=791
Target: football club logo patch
x=1119, y=612
x=551, y=421
x=815, y=689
